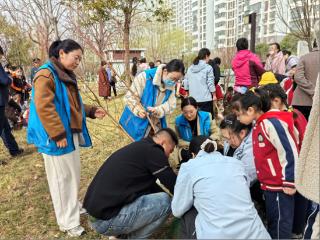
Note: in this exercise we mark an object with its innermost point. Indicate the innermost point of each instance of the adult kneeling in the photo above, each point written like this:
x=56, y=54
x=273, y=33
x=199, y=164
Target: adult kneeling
x=124, y=198
x=213, y=198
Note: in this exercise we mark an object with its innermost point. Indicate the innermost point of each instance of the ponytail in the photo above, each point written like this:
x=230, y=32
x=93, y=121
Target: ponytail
x=67, y=45
x=256, y=98
x=202, y=143
x=209, y=146
x=203, y=53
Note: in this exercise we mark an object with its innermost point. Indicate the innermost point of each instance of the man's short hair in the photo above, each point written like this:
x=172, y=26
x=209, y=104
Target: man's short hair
x=169, y=132
x=36, y=60
x=242, y=44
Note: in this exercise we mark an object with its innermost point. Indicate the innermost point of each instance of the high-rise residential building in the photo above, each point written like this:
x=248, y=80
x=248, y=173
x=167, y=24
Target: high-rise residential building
x=219, y=23
x=194, y=17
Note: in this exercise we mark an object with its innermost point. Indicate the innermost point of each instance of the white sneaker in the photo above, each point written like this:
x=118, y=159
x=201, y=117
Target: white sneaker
x=76, y=232
x=82, y=210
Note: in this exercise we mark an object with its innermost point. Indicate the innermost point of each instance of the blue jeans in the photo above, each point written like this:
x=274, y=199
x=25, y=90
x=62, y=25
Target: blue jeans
x=138, y=219
x=279, y=211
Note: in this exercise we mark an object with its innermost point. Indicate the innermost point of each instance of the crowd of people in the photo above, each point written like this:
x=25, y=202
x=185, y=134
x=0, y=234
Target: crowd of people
x=233, y=167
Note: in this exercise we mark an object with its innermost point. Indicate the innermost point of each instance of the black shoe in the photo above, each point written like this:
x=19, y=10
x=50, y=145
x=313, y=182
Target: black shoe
x=18, y=153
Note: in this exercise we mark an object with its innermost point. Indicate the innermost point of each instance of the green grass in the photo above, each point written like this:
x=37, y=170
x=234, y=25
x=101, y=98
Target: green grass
x=26, y=210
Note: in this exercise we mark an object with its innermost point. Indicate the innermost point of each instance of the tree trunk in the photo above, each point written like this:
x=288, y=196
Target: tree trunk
x=126, y=43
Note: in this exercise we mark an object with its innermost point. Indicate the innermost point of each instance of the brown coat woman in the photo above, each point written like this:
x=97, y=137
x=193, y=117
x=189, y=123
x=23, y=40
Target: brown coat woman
x=104, y=84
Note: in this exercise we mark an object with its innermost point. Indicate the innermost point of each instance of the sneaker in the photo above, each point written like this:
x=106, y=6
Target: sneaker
x=82, y=209
x=297, y=236
x=76, y=232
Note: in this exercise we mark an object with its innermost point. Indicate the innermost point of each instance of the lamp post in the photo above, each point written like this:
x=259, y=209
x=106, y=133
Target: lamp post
x=251, y=19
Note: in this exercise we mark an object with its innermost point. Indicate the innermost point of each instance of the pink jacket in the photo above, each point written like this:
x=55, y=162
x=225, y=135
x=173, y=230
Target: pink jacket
x=247, y=68
x=276, y=64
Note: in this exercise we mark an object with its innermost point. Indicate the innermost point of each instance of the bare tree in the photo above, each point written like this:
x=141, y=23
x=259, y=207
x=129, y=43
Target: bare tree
x=123, y=13
x=303, y=14
x=97, y=35
x=39, y=19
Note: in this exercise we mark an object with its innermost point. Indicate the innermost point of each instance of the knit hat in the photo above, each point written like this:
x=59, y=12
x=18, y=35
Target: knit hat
x=292, y=61
x=267, y=78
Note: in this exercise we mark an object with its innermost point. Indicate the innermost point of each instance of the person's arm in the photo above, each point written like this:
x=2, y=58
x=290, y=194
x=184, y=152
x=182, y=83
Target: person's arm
x=137, y=87
x=301, y=80
x=183, y=193
x=5, y=80
x=182, y=143
x=186, y=82
x=167, y=107
x=248, y=161
x=214, y=130
x=159, y=167
x=210, y=80
x=90, y=111
x=44, y=92
x=279, y=136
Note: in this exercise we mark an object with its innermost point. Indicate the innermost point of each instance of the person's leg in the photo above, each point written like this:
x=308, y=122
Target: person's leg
x=114, y=89
x=9, y=140
x=138, y=219
x=188, y=228
x=311, y=217
x=2, y=117
x=300, y=214
x=63, y=174
x=257, y=197
x=279, y=211
x=206, y=107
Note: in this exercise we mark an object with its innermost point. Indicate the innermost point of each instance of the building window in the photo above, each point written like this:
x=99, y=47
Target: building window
x=271, y=28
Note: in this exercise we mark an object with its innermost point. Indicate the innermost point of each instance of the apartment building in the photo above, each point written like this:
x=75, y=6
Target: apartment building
x=219, y=23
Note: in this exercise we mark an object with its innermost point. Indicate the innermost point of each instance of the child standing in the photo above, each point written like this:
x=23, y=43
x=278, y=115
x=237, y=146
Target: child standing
x=279, y=101
x=275, y=152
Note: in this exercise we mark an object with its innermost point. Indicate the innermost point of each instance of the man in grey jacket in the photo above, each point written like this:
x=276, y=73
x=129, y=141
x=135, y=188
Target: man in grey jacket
x=199, y=81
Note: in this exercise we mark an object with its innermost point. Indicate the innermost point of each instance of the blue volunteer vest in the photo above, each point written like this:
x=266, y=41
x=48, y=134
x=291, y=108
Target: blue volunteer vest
x=36, y=133
x=184, y=128
x=136, y=127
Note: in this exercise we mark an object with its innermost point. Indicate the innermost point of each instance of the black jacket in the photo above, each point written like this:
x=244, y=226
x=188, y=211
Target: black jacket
x=127, y=174
x=5, y=82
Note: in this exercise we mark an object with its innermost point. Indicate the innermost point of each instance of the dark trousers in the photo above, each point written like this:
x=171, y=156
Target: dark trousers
x=257, y=197
x=113, y=85
x=188, y=227
x=6, y=135
x=279, y=211
x=300, y=213
x=305, y=110
x=206, y=107
x=313, y=211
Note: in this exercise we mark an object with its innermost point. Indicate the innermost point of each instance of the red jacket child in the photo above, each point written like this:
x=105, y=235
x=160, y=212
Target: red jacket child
x=275, y=150
x=287, y=85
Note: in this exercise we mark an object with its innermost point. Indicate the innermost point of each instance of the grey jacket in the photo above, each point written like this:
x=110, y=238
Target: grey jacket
x=244, y=153
x=306, y=78
x=199, y=81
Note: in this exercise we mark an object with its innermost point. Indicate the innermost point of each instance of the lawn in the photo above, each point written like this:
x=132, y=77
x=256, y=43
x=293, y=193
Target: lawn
x=26, y=210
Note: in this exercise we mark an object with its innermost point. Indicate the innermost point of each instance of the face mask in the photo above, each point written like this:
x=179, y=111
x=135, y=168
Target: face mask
x=169, y=83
